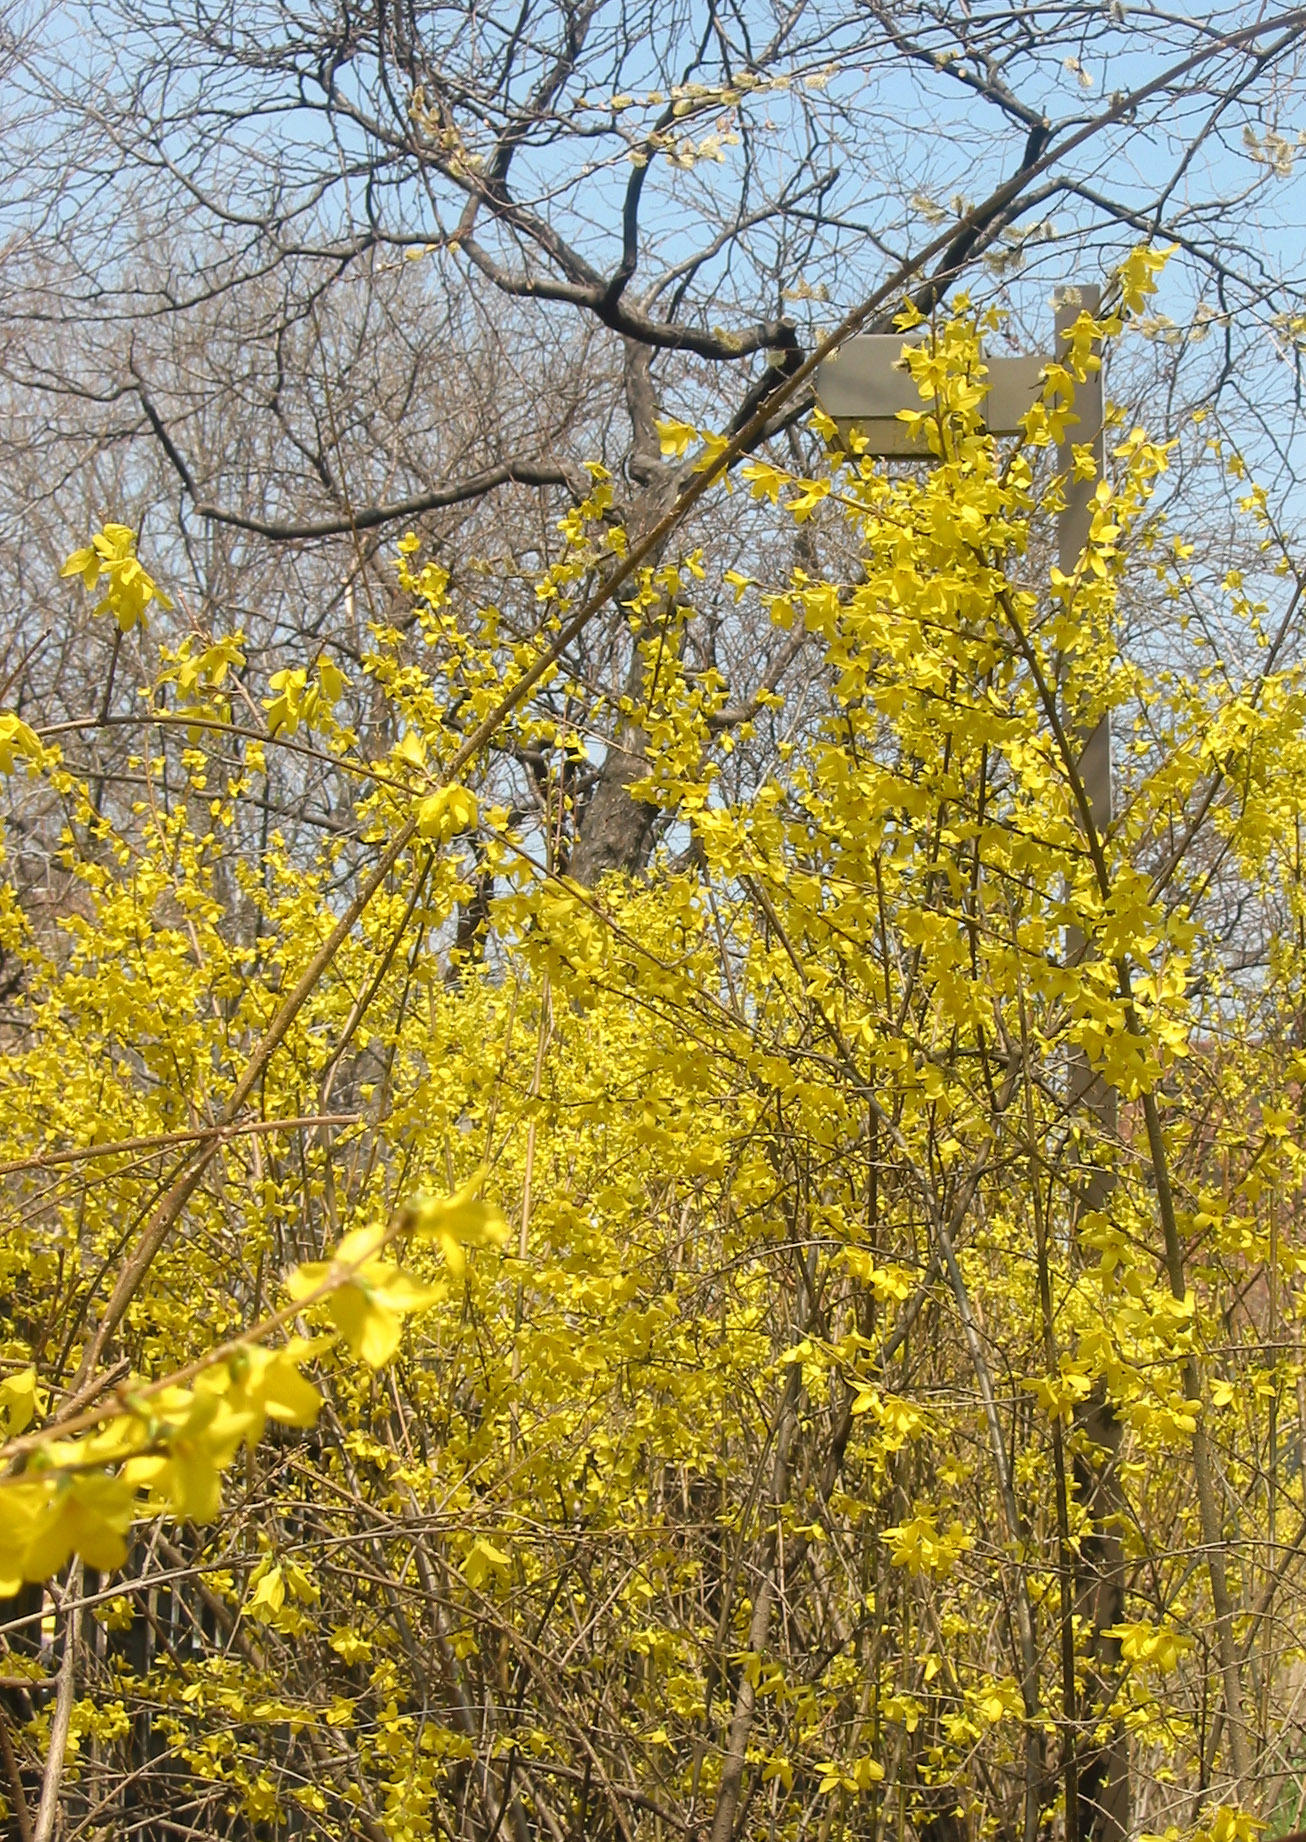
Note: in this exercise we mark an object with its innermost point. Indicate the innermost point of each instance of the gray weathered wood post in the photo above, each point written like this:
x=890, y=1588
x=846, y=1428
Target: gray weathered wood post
x=1102, y=1767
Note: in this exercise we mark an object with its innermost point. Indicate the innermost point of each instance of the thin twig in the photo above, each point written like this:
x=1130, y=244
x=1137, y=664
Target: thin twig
x=52, y=1778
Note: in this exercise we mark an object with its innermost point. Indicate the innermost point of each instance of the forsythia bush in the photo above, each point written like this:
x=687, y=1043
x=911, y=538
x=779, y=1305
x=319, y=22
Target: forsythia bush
x=686, y=1362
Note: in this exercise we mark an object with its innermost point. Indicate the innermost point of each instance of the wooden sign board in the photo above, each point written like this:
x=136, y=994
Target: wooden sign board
x=865, y=383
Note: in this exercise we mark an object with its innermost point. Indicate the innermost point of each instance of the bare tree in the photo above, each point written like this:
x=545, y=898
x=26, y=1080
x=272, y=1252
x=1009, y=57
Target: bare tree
x=313, y=275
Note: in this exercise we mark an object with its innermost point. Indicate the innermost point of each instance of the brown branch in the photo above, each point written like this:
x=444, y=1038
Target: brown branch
x=17, y=1795
x=665, y=335
x=474, y=486
x=163, y=1141
x=47, y=1812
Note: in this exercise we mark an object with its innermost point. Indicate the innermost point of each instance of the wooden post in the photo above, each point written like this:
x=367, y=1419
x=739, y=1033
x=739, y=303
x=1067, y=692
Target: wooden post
x=1103, y=1787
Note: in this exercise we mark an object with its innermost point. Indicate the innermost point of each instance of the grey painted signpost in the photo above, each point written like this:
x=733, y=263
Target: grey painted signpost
x=866, y=382
x=863, y=387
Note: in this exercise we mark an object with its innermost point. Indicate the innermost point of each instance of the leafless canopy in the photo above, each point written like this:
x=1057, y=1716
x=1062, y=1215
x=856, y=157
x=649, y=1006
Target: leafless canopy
x=281, y=280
